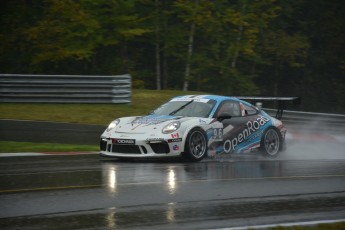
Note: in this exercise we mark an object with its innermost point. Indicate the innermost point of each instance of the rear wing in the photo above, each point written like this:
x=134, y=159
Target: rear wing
x=281, y=102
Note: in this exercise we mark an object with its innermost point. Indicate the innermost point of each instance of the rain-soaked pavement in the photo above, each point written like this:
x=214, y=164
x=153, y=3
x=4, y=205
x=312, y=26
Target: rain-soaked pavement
x=89, y=192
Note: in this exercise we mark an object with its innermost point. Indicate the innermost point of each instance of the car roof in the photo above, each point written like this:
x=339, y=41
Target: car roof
x=213, y=97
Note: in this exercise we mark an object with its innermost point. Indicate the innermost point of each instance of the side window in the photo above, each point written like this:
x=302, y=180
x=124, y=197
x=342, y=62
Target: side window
x=249, y=110
x=230, y=107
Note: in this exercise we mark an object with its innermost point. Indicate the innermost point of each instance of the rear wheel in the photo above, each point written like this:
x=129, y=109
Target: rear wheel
x=196, y=145
x=271, y=142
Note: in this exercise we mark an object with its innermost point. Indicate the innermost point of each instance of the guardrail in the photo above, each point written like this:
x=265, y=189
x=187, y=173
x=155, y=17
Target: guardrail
x=312, y=122
x=65, y=88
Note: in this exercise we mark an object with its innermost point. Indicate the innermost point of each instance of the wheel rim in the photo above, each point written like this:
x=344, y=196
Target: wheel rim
x=197, y=144
x=272, y=142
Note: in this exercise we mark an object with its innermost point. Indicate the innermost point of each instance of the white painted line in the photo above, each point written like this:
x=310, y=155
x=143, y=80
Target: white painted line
x=27, y=154
x=20, y=154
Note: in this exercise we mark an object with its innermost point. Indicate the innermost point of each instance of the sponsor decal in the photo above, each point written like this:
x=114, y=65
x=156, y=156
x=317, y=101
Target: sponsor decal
x=256, y=135
x=174, y=140
x=175, y=135
x=150, y=120
x=217, y=133
x=176, y=147
x=155, y=139
x=251, y=127
x=196, y=99
x=202, y=122
x=123, y=141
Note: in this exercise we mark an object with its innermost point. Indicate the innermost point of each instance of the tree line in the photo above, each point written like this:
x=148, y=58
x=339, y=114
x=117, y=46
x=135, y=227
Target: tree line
x=229, y=47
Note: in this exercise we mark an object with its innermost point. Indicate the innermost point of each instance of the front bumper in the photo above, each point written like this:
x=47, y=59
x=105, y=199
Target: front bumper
x=140, y=148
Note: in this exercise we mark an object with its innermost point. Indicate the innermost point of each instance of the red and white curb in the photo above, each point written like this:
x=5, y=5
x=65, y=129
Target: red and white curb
x=315, y=137
x=283, y=225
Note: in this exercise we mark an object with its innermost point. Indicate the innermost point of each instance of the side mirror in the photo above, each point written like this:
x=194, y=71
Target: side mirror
x=224, y=116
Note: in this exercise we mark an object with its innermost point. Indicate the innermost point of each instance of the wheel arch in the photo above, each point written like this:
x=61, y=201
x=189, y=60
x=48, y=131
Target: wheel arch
x=185, y=134
x=186, y=153
x=281, y=139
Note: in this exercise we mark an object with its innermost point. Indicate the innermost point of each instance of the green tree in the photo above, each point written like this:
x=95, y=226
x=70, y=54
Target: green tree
x=280, y=50
x=229, y=34
x=281, y=47
x=15, y=17
x=73, y=30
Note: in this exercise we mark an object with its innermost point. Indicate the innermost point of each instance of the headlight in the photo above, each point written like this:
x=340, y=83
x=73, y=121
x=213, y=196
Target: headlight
x=113, y=125
x=171, y=127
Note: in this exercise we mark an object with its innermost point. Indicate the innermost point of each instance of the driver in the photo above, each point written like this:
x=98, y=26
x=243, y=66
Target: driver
x=201, y=109
x=230, y=108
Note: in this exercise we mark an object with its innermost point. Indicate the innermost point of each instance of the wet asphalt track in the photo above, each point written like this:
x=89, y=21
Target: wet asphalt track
x=50, y=132
x=88, y=192
x=306, y=183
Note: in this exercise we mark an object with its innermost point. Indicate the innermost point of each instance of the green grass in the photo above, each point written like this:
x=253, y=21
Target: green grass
x=12, y=147
x=143, y=101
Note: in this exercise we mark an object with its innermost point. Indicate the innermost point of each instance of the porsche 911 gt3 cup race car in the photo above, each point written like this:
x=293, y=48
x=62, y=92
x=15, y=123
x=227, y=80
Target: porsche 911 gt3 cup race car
x=193, y=127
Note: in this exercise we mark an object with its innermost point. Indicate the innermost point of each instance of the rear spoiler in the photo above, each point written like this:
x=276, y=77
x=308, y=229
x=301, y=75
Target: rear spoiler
x=281, y=102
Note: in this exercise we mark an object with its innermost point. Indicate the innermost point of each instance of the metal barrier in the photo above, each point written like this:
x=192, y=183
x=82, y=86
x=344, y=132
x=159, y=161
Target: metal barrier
x=312, y=122
x=65, y=88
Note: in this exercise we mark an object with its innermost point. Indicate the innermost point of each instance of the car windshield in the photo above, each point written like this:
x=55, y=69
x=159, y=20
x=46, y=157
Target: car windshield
x=186, y=108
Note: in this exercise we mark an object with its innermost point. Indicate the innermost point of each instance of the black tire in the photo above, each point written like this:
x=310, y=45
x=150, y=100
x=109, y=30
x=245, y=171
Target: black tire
x=271, y=142
x=196, y=145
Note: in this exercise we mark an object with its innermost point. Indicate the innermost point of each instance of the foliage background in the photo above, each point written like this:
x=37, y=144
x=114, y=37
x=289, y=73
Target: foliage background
x=231, y=47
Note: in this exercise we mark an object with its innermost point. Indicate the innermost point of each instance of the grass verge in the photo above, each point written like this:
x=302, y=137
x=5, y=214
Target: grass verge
x=143, y=101
x=13, y=147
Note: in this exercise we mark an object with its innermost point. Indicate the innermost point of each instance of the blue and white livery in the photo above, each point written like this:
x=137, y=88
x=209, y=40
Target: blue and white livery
x=193, y=127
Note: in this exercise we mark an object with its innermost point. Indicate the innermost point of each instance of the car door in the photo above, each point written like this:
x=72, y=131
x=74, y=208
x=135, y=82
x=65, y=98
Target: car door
x=254, y=126
x=242, y=128
x=231, y=126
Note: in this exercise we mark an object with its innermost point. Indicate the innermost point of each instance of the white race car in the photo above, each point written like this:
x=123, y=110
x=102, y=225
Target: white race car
x=194, y=127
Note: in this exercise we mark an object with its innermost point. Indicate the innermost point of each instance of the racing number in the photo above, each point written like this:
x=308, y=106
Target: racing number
x=218, y=133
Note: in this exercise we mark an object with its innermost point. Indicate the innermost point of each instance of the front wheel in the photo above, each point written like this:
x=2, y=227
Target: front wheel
x=196, y=145
x=271, y=142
